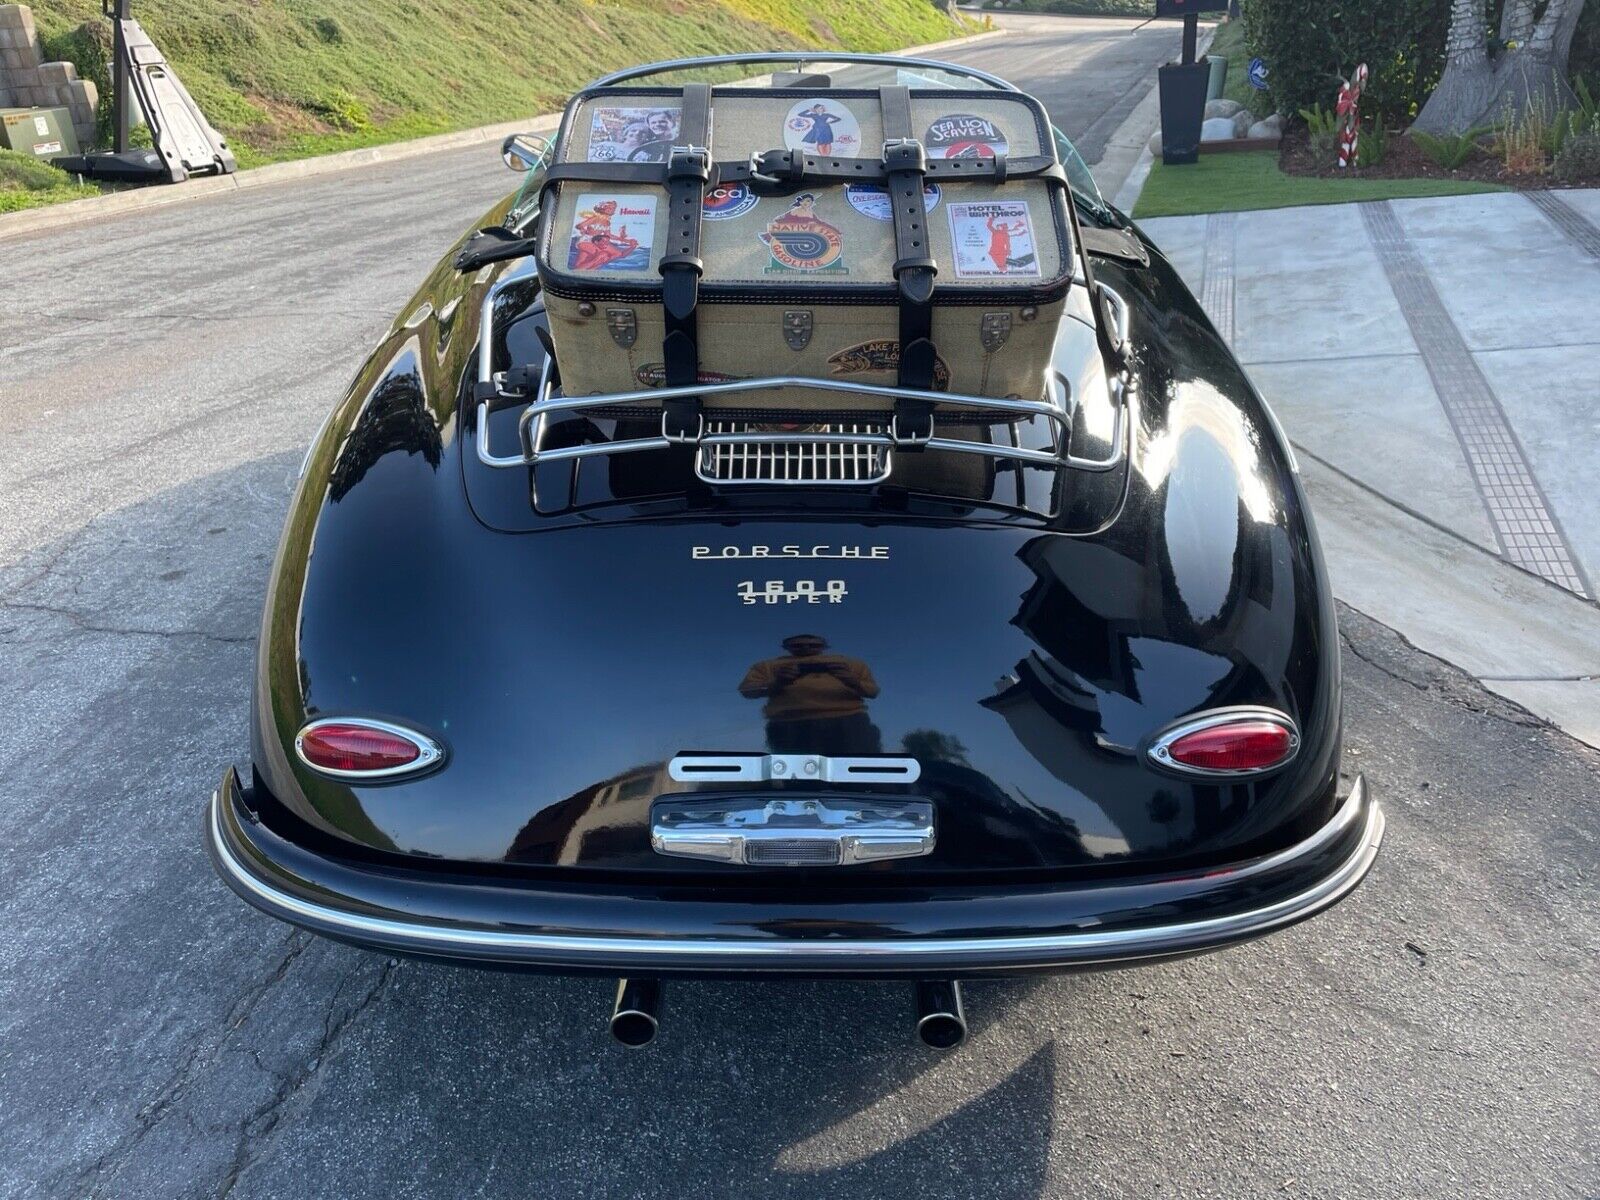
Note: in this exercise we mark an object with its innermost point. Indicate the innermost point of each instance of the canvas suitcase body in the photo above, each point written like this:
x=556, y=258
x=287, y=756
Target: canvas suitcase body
x=798, y=277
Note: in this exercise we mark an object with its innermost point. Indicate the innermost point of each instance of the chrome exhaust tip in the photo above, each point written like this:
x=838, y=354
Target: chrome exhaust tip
x=635, y=1017
x=941, y=1023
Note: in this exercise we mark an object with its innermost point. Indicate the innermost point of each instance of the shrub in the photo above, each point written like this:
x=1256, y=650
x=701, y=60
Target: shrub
x=1579, y=159
x=1450, y=151
x=1324, y=126
x=1372, y=145
x=1307, y=53
x=1524, y=142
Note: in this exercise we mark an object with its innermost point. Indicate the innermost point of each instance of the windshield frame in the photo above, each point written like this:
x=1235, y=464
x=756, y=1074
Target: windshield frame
x=1088, y=198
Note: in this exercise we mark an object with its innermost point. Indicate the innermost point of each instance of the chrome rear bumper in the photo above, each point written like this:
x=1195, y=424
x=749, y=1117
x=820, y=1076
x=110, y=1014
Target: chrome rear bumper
x=928, y=934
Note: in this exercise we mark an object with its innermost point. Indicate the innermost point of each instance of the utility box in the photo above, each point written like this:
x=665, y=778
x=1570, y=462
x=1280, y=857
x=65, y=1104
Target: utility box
x=44, y=133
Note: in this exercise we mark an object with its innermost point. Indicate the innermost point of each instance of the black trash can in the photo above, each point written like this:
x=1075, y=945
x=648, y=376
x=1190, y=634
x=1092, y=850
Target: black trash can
x=1183, y=110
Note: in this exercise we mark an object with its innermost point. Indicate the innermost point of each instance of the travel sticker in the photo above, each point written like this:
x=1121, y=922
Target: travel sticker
x=799, y=240
x=655, y=374
x=633, y=134
x=612, y=233
x=882, y=354
x=872, y=200
x=726, y=201
x=962, y=135
x=993, y=240
x=823, y=127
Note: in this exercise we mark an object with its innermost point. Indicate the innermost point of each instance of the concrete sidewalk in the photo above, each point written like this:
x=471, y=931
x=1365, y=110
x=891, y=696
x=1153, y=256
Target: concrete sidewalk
x=1437, y=363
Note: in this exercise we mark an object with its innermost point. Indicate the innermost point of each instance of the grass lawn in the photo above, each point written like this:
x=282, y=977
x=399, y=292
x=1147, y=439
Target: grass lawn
x=25, y=182
x=292, y=78
x=1237, y=182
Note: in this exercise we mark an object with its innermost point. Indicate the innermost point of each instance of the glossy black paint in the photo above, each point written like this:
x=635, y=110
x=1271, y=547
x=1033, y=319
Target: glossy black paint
x=1027, y=642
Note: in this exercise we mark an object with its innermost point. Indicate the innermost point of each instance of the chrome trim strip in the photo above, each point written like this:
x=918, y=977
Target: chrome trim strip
x=429, y=751
x=807, y=768
x=1159, y=749
x=972, y=951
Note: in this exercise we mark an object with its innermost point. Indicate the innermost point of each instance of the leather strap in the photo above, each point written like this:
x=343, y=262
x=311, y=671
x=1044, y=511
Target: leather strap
x=775, y=171
x=906, y=167
x=687, y=170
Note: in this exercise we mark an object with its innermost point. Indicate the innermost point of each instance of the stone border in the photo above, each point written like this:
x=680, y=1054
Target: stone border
x=93, y=208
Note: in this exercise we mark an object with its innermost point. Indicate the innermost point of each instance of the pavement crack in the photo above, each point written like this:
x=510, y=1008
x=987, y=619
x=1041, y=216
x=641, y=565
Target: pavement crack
x=201, y=1057
x=1381, y=667
x=86, y=625
x=255, y=1132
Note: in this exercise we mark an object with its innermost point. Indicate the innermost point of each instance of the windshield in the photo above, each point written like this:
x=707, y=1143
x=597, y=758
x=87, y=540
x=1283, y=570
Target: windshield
x=866, y=71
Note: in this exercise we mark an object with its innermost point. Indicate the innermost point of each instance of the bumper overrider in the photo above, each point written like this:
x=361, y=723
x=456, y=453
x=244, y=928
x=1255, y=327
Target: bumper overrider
x=915, y=932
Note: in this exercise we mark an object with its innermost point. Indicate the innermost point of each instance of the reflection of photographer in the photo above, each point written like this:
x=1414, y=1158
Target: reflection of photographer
x=815, y=702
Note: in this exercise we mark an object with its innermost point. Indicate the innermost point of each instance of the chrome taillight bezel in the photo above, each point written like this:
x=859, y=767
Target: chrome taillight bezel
x=429, y=752
x=1160, y=749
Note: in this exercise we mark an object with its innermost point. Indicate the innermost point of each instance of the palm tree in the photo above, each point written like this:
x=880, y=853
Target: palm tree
x=1481, y=87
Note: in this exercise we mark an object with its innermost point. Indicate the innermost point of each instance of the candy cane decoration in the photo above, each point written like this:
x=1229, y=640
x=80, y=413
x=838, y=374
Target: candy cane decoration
x=1349, y=119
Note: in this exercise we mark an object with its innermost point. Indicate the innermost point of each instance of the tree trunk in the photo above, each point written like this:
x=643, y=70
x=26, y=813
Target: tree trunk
x=1516, y=23
x=1478, y=90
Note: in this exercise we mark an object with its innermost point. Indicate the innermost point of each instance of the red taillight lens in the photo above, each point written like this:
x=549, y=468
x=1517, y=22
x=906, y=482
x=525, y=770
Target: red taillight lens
x=360, y=748
x=1243, y=745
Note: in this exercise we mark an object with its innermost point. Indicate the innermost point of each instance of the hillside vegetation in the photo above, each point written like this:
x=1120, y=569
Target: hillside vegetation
x=288, y=78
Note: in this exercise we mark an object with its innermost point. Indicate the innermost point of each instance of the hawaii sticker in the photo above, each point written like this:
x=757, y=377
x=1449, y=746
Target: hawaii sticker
x=882, y=354
x=728, y=200
x=962, y=135
x=612, y=233
x=633, y=134
x=799, y=240
x=993, y=240
x=872, y=200
x=823, y=127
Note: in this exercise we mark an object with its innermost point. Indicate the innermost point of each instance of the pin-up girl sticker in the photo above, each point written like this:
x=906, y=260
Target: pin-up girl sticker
x=612, y=233
x=823, y=127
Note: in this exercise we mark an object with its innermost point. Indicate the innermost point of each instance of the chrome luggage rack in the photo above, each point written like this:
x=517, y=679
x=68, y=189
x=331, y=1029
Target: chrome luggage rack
x=866, y=443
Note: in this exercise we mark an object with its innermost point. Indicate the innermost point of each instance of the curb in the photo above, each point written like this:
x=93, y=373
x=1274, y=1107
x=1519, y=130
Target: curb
x=93, y=208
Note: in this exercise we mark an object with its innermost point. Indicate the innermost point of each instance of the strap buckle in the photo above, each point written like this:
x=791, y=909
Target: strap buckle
x=677, y=436
x=760, y=160
x=904, y=154
x=689, y=162
x=920, y=438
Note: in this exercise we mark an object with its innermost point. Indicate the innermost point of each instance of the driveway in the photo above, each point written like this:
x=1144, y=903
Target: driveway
x=160, y=377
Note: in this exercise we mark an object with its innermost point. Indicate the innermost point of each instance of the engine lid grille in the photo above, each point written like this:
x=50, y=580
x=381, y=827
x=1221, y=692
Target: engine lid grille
x=793, y=462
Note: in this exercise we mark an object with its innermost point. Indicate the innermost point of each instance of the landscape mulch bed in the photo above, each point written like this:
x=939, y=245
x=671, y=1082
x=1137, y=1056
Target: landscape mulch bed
x=1404, y=159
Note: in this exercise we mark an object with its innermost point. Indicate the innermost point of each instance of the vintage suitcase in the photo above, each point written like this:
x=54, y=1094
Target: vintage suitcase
x=696, y=235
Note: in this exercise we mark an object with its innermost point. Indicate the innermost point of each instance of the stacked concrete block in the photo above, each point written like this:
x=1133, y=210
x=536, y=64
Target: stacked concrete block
x=28, y=82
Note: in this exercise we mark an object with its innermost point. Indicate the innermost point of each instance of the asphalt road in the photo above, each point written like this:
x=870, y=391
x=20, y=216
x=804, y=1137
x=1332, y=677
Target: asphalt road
x=160, y=376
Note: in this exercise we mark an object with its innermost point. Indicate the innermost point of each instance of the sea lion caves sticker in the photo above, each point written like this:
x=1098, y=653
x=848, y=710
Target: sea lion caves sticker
x=963, y=135
x=823, y=127
x=993, y=240
x=799, y=240
x=612, y=233
x=726, y=201
x=872, y=200
x=633, y=134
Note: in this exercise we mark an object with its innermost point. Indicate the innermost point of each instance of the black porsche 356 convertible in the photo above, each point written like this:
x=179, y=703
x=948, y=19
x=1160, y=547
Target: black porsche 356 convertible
x=545, y=683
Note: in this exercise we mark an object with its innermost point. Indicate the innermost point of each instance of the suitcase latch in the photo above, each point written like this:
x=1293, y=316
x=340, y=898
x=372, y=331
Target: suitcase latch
x=797, y=328
x=623, y=325
x=994, y=330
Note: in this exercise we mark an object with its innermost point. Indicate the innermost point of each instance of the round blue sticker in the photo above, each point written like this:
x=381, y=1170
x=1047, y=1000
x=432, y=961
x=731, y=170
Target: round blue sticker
x=726, y=201
x=872, y=200
x=1258, y=74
